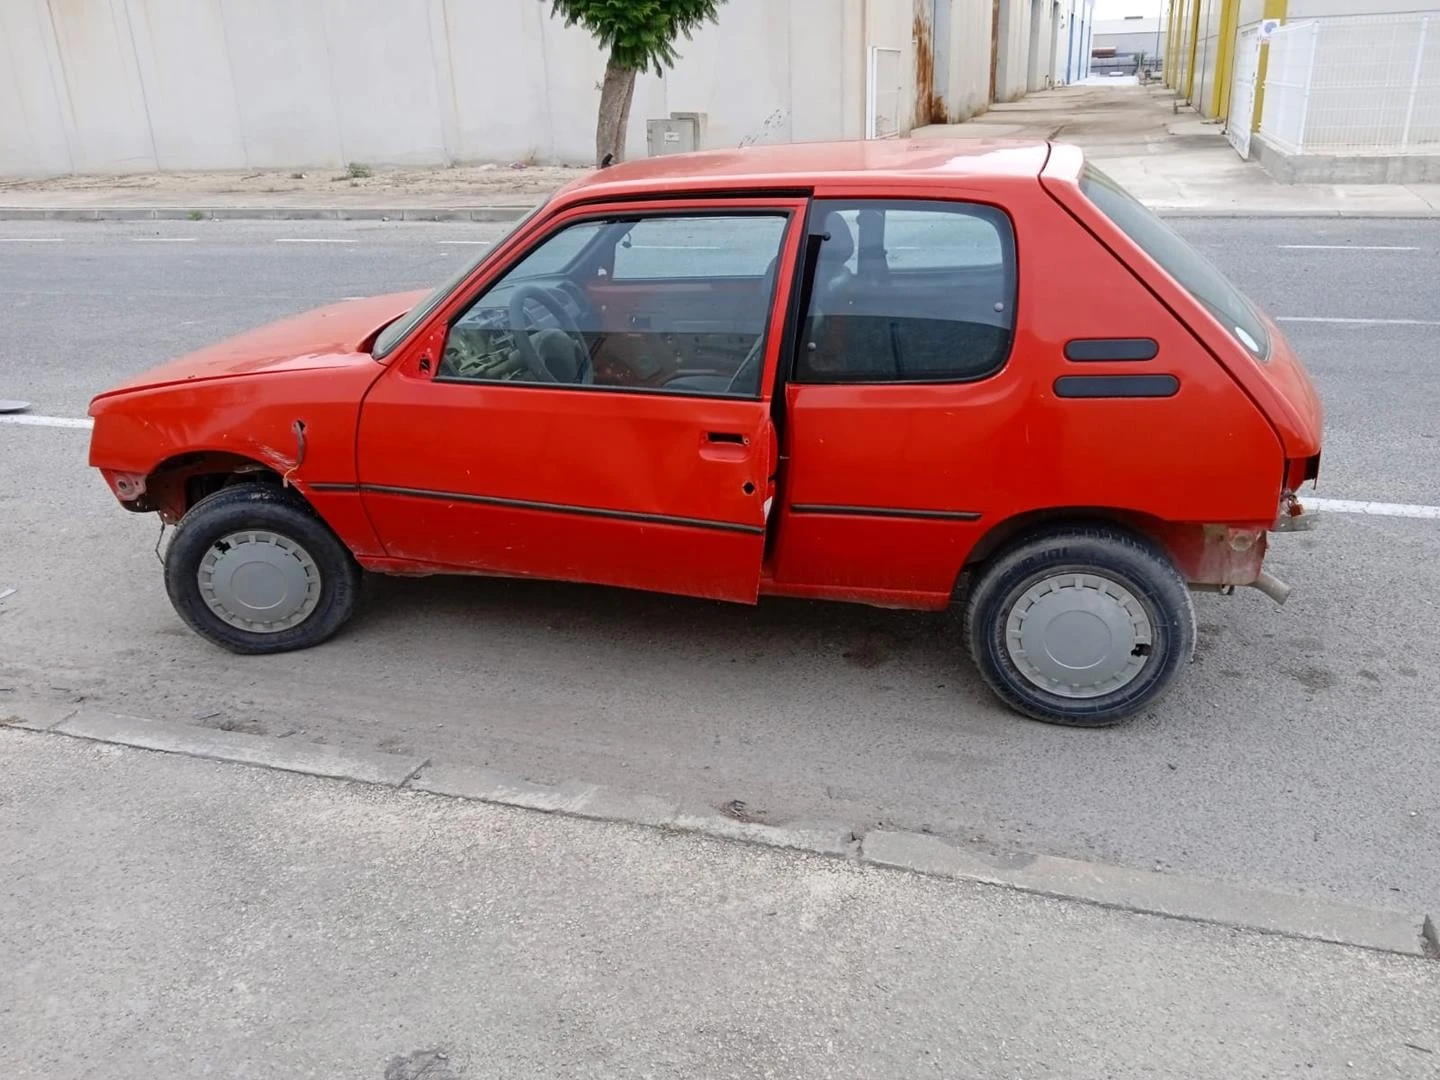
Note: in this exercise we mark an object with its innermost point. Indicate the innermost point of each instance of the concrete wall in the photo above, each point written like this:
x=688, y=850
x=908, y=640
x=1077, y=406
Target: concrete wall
x=964, y=86
x=136, y=85
x=1063, y=64
x=1207, y=51
x=1012, y=61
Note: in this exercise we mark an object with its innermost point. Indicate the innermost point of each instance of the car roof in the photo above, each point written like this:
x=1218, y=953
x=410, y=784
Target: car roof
x=806, y=165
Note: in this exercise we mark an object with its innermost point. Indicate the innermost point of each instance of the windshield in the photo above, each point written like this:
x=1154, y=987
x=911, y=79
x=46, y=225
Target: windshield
x=398, y=330
x=1195, y=273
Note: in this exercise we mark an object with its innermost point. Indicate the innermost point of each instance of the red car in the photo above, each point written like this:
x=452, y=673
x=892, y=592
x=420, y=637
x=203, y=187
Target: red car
x=905, y=374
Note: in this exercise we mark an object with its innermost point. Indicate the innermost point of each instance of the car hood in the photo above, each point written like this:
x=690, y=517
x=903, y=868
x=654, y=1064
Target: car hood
x=315, y=339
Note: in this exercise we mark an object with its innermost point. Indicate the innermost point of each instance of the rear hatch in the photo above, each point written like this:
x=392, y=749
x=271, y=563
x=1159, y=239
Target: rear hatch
x=1235, y=331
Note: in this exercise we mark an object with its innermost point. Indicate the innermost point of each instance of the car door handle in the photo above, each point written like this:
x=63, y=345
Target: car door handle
x=732, y=446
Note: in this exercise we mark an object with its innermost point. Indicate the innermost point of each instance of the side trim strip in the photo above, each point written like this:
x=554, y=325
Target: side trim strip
x=560, y=508
x=884, y=512
x=327, y=485
x=1117, y=386
x=1093, y=350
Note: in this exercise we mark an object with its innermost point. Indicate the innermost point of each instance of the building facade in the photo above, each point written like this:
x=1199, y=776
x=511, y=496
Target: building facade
x=1314, y=77
x=1136, y=35
x=144, y=85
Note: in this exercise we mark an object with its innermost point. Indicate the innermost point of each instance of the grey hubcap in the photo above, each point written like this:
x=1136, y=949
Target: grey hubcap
x=259, y=581
x=1078, y=635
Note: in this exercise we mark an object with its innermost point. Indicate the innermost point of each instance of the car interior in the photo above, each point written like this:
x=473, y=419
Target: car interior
x=695, y=333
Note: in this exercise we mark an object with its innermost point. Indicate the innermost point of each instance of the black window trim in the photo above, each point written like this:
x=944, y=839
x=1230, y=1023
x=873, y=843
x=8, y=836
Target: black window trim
x=789, y=214
x=814, y=216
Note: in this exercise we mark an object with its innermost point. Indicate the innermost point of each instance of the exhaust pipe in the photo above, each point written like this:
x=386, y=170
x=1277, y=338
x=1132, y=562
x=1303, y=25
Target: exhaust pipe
x=1272, y=587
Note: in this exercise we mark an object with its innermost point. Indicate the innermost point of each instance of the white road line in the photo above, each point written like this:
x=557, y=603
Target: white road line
x=1334, y=321
x=26, y=420
x=313, y=240
x=1345, y=247
x=1374, y=509
x=32, y=239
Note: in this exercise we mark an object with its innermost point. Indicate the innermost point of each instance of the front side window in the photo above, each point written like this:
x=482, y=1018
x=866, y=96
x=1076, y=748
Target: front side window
x=676, y=303
x=908, y=292
x=1196, y=274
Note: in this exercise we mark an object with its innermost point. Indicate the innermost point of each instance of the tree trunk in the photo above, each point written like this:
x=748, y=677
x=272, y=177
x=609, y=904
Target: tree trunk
x=615, y=97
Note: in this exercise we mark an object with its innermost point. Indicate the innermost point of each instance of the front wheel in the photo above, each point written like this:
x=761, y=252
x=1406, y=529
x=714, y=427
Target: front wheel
x=1080, y=626
x=252, y=569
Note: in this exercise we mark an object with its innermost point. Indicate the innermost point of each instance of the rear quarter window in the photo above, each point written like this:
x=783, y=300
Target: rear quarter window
x=1196, y=274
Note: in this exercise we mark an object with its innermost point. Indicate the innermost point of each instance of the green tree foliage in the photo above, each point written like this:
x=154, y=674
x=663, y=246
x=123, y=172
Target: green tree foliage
x=640, y=36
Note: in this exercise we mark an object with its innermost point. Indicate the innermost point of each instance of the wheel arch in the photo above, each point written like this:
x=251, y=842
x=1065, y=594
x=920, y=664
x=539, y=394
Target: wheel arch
x=1009, y=531
x=1203, y=553
x=181, y=480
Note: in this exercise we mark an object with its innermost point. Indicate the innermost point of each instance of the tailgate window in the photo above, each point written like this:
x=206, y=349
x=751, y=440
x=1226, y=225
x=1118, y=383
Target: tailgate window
x=1195, y=273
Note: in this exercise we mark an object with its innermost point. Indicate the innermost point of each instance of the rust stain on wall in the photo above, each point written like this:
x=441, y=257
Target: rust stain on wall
x=929, y=105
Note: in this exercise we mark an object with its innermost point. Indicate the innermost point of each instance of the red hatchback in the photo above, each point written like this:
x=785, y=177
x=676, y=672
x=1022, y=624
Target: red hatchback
x=905, y=374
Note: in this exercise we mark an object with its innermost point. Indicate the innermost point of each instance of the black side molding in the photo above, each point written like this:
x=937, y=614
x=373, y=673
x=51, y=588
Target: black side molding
x=1093, y=350
x=1117, y=386
x=884, y=512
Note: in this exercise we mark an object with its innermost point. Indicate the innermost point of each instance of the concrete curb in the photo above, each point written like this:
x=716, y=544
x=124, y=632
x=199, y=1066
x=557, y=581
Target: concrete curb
x=1168, y=895
x=495, y=214
x=1114, y=887
x=265, y=213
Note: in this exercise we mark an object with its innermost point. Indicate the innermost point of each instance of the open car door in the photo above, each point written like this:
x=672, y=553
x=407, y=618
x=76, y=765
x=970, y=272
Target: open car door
x=595, y=406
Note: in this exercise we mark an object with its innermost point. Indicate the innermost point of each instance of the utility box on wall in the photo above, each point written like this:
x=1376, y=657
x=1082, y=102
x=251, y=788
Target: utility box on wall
x=679, y=134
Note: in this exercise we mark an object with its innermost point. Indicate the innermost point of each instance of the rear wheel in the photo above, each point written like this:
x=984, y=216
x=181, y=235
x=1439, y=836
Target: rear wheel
x=1080, y=626
x=252, y=569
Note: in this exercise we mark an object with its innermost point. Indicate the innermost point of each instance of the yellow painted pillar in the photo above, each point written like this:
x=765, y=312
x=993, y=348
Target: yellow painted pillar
x=1177, y=45
x=1224, y=58
x=1274, y=9
x=1172, y=44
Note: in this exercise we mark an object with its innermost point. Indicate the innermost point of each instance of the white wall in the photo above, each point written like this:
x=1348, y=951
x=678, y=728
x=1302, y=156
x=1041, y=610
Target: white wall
x=1083, y=41
x=1072, y=51
x=1012, y=75
x=137, y=85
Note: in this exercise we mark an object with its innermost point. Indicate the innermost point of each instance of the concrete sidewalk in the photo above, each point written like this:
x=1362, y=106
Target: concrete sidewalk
x=470, y=192
x=167, y=916
x=1171, y=159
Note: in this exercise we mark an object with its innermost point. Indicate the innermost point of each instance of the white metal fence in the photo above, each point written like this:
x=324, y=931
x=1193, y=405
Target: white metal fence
x=1366, y=84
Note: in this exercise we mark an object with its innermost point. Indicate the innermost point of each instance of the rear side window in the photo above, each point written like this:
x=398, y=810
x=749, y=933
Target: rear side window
x=1196, y=274
x=908, y=292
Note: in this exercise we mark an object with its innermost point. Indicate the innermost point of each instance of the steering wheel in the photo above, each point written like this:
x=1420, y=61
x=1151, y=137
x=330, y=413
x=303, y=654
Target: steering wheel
x=525, y=344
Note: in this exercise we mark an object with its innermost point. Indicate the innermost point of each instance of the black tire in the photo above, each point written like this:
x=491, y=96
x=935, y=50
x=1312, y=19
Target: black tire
x=1127, y=560
x=283, y=513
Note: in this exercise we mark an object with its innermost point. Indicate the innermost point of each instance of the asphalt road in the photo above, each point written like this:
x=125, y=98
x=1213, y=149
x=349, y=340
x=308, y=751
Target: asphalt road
x=1301, y=751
